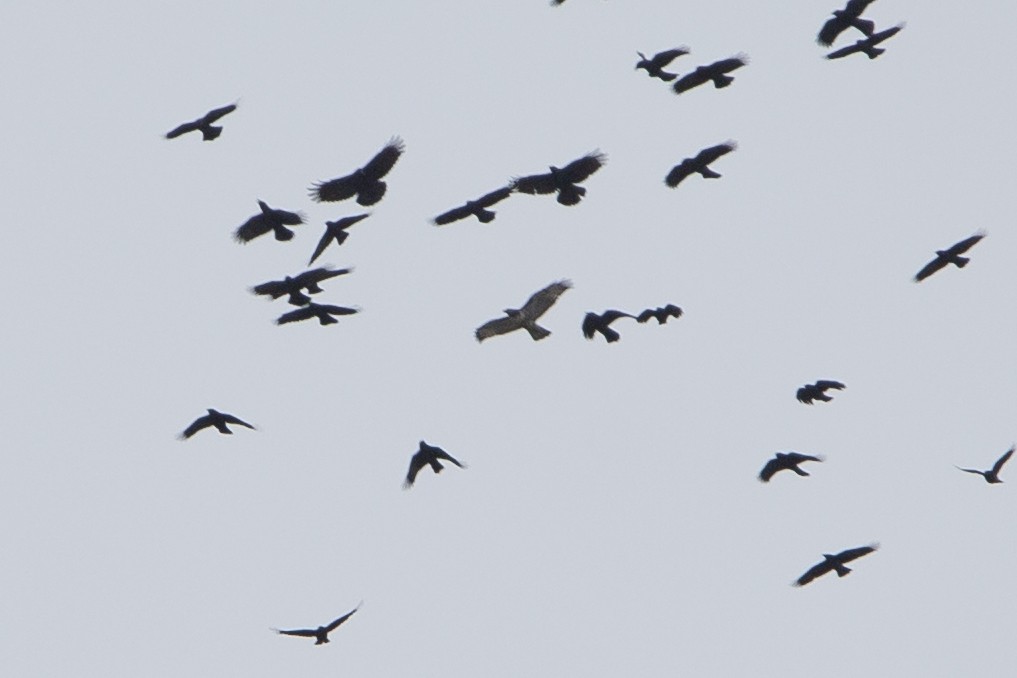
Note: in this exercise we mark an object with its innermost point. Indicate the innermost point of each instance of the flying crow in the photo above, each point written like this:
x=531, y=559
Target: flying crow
x=476, y=208
x=835, y=562
x=594, y=323
x=270, y=219
x=785, y=462
x=715, y=72
x=951, y=255
x=365, y=183
x=654, y=66
x=216, y=419
x=806, y=394
x=427, y=455
x=323, y=312
x=319, y=634
x=992, y=475
x=335, y=230
x=525, y=317
x=562, y=180
x=699, y=164
x=661, y=313
x=204, y=123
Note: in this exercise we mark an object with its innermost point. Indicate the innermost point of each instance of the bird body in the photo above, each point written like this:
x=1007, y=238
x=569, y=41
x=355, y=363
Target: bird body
x=717, y=72
x=699, y=164
x=835, y=562
x=214, y=418
x=811, y=392
x=365, y=183
x=525, y=317
x=867, y=45
x=951, y=255
x=319, y=634
x=476, y=208
x=562, y=180
x=270, y=219
x=209, y=132
x=427, y=455
x=992, y=475
x=654, y=66
x=335, y=230
x=785, y=461
x=594, y=323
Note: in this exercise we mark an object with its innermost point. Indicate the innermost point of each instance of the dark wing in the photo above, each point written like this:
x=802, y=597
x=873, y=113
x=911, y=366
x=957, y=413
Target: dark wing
x=847, y=51
x=317, y=275
x=964, y=245
x=610, y=315
x=856, y=7
x=852, y=554
x=771, y=467
x=257, y=225
x=798, y=457
x=442, y=454
x=306, y=633
x=580, y=170
x=590, y=324
x=680, y=172
x=971, y=470
x=877, y=38
x=334, y=190
x=334, y=625
x=288, y=218
x=694, y=79
x=325, y=241
x=335, y=310
x=661, y=59
x=726, y=65
x=708, y=155
x=417, y=462
x=498, y=326
x=831, y=29
x=230, y=419
x=805, y=394
x=217, y=113
x=825, y=384
x=183, y=129
x=930, y=268
x=304, y=313
x=494, y=196
x=386, y=158
x=273, y=288
x=540, y=301
x=998, y=466
x=196, y=425
x=814, y=572
x=535, y=184
x=454, y=214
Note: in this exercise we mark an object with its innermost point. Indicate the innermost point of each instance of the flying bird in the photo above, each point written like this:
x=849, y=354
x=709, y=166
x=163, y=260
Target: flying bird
x=526, y=317
x=427, y=455
x=844, y=19
x=951, y=255
x=270, y=219
x=204, y=124
x=785, y=461
x=992, y=475
x=661, y=313
x=365, y=183
x=654, y=66
x=806, y=394
x=476, y=208
x=216, y=419
x=292, y=285
x=716, y=72
x=594, y=323
x=323, y=312
x=562, y=180
x=867, y=45
x=699, y=164
x=835, y=562
x=320, y=634
x=335, y=230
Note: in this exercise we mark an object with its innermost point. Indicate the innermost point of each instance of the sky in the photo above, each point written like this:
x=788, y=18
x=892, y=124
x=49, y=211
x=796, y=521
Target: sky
x=609, y=521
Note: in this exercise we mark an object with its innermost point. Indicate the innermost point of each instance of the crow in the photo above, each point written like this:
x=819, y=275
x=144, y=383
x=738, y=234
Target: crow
x=269, y=220
x=867, y=45
x=320, y=634
x=213, y=418
x=654, y=66
x=562, y=180
x=785, y=462
x=335, y=230
x=699, y=164
x=424, y=456
x=992, y=475
x=715, y=71
x=844, y=19
x=323, y=312
x=476, y=208
x=834, y=562
x=365, y=183
x=951, y=255
x=204, y=123
x=594, y=323
x=806, y=394
x=660, y=313
x=525, y=317
x=292, y=285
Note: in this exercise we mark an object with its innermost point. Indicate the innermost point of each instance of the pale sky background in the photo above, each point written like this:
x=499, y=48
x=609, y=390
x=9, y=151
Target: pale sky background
x=610, y=522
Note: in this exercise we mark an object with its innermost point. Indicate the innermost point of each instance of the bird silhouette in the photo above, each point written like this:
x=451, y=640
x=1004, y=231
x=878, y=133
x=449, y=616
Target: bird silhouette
x=785, y=461
x=835, y=562
x=654, y=65
x=951, y=255
x=427, y=455
x=717, y=72
x=216, y=419
x=661, y=313
x=562, y=180
x=270, y=219
x=992, y=475
x=364, y=183
x=476, y=208
x=209, y=131
x=844, y=19
x=699, y=164
x=867, y=45
x=319, y=634
x=292, y=285
x=594, y=323
x=810, y=392
x=526, y=317
x=335, y=230
x=323, y=312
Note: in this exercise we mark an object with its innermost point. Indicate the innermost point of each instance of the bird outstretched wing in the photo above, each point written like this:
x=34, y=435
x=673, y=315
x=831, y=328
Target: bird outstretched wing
x=851, y=554
x=540, y=301
x=385, y=159
x=580, y=170
x=334, y=625
x=535, y=184
x=498, y=326
x=998, y=466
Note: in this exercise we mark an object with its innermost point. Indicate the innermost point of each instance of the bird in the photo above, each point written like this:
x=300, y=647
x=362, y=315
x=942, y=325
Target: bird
x=335, y=230
x=661, y=313
x=209, y=132
x=867, y=45
x=594, y=323
x=835, y=562
x=216, y=419
x=951, y=255
x=323, y=312
x=806, y=394
x=562, y=180
x=716, y=72
x=427, y=455
x=654, y=66
x=476, y=208
x=992, y=475
x=292, y=285
x=270, y=219
x=844, y=19
x=700, y=163
x=785, y=461
x=319, y=634
x=526, y=317
x=365, y=183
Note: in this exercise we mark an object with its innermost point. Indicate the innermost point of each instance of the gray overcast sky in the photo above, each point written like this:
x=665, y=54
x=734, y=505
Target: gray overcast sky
x=610, y=522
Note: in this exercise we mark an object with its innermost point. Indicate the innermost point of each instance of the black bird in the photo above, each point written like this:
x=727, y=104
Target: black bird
x=867, y=45
x=204, y=123
x=335, y=230
x=427, y=455
x=594, y=323
x=365, y=183
x=562, y=180
x=270, y=219
x=844, y=19
x=323, y=312
x=951, y=255
x=806, y=394
x=213, y=418
x=699, y=164
x=715, y=72
x=525, y=317
x=476, y=208
x=785, y=462
x=835, y=562
x=292, y=285
x=661, y=313
x=992, y=475
x=654, y=66
x=320, y=634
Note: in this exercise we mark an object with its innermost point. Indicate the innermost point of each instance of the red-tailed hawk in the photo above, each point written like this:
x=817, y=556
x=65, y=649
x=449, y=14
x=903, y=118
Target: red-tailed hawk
x=525, y=317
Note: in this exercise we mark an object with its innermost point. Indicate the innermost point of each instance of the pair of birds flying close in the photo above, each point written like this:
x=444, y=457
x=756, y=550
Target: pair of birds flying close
x=716, y=72
x=851, y=17
x=525, y=318
x=594, y=323
x=294, y=286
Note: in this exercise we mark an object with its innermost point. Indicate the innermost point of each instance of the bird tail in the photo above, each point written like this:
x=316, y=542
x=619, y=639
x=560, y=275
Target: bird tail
x=709, y=173
x=722, y=81
x=611, y=335
x=873, y=52
x=843, y=571
x=864, y=25
x=283, y=234
x=299, y=299
x=325, y=319
x=211, y=132
x=571, y=194
x=961, y=261
x=537, y=332
x=485, y=216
